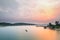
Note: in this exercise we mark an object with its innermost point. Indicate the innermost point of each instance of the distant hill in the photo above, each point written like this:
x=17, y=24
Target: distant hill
x=15, y=24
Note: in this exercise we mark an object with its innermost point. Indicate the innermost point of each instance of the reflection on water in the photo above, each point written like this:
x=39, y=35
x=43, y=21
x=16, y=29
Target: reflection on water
x=58, y=35
x=34, y=33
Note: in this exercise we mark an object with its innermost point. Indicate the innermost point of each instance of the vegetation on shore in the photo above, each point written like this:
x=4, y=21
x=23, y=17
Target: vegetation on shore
x=56, y=26
x=50, y=25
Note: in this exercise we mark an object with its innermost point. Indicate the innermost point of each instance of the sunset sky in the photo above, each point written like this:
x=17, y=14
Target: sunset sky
x=34, y=11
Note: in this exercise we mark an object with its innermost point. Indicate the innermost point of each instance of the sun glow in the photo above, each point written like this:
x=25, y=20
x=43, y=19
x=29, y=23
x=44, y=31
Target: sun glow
x=45, y=10
x=38, y=10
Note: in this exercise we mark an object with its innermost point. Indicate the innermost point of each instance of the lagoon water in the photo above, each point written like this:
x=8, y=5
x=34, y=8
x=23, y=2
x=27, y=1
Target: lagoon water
x=33, y=33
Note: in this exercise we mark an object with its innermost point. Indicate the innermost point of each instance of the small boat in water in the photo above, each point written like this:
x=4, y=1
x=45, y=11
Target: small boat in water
x=45, y=27
x=26, y=30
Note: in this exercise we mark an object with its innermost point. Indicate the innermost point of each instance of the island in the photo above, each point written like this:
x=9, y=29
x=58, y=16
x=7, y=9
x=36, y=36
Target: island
x=54, y=26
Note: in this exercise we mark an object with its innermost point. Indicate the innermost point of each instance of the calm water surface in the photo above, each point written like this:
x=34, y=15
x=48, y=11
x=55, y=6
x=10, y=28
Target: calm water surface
x=34, y=33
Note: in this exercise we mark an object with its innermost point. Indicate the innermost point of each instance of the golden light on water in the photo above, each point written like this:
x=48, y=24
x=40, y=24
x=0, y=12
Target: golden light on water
x=44, y=34
x=39, y=33
x=34, y=33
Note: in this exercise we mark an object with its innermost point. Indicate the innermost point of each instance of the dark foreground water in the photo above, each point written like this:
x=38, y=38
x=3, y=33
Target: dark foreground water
x=33, y=33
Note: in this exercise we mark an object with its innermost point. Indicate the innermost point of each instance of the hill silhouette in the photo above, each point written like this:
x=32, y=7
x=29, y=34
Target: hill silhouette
x=14, y=24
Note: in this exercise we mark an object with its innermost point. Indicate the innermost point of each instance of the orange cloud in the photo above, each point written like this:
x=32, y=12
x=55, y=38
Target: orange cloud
x=45, y=15
x=46, y=12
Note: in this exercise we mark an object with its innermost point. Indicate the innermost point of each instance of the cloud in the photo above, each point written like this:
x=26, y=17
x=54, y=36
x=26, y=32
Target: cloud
x=8, y=4
x=8, y=9
x=27, y=10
